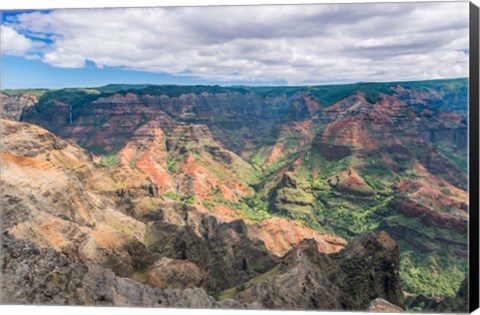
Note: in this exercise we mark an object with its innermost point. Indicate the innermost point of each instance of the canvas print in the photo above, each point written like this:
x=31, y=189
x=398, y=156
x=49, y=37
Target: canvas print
x=302, y=157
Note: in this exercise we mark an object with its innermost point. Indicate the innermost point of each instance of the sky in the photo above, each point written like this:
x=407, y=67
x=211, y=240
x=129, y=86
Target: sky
x=243, y=45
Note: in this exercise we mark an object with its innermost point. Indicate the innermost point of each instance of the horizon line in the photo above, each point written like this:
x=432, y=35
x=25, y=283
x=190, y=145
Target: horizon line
x=237, y=85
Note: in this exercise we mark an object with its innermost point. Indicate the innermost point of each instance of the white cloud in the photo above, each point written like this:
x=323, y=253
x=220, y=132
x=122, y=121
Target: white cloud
x=351, y=42
x=13, y=43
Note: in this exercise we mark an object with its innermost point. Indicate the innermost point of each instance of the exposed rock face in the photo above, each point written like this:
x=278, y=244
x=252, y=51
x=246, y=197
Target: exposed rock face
x=378, y=277
x=351, y=183
x=223, y=251
x=28, y=140
x=382, y=306
x=352, y=104
x=32, y=275
x=434, y=193
x=53, y=279
x=173, y=273
x=291, y=137
x=430, y=217
x=349, y=279
x=280, y=236
x=186, y=161
x=13, y=107
x=431, y=99
x=52, y=196
x=204, y=167
x=86, y=223
x=332, y=152
x=438, y=165
x=301, y=106
x=117, y=117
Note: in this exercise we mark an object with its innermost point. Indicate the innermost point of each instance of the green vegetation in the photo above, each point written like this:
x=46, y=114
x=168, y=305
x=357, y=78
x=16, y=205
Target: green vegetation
x=173, y=196
x=55, y=278
x=438, y=274
x=330, y=94
x=252, y=207
x=20, y=92
x=76, y=98
x=295, y=203
x=453, y=92
x=347, y=218
x=177, y=90
x=326, y=94
x=430, y=235
x=109, y=160
x=258, y=160
x=90, y=91
x=187, y=199
x=317, y=183
x=141, y=276
x=295, y=196
x=114, y=88
x=208, y=204
x=434, y=269
x=171, y=165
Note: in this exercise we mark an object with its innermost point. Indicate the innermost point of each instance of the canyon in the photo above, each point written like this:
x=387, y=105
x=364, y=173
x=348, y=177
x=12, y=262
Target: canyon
x=312, y=197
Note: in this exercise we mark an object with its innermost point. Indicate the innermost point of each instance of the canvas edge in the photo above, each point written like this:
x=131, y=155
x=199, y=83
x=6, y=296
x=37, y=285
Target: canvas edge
x=473, y=288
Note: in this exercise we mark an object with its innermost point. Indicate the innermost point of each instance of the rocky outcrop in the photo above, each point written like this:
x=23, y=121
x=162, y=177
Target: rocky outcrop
x=32, y=275
x=55, y=196
x=13, y=107
x=223, y=251
x=349, y=279
x=313, y=283
x=382, y=306
x=291, y=137
x=28, y=140
x=301, y=106
x=351, y=105
x=351, y=183
x=332, y=152
x=174, y=273
x=280, y=236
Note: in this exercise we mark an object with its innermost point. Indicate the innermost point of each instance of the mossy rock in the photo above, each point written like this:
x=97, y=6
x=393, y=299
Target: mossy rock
x=294, y=196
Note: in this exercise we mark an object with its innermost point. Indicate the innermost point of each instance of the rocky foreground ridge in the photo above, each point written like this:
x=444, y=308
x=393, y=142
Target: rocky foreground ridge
x=305, y=279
